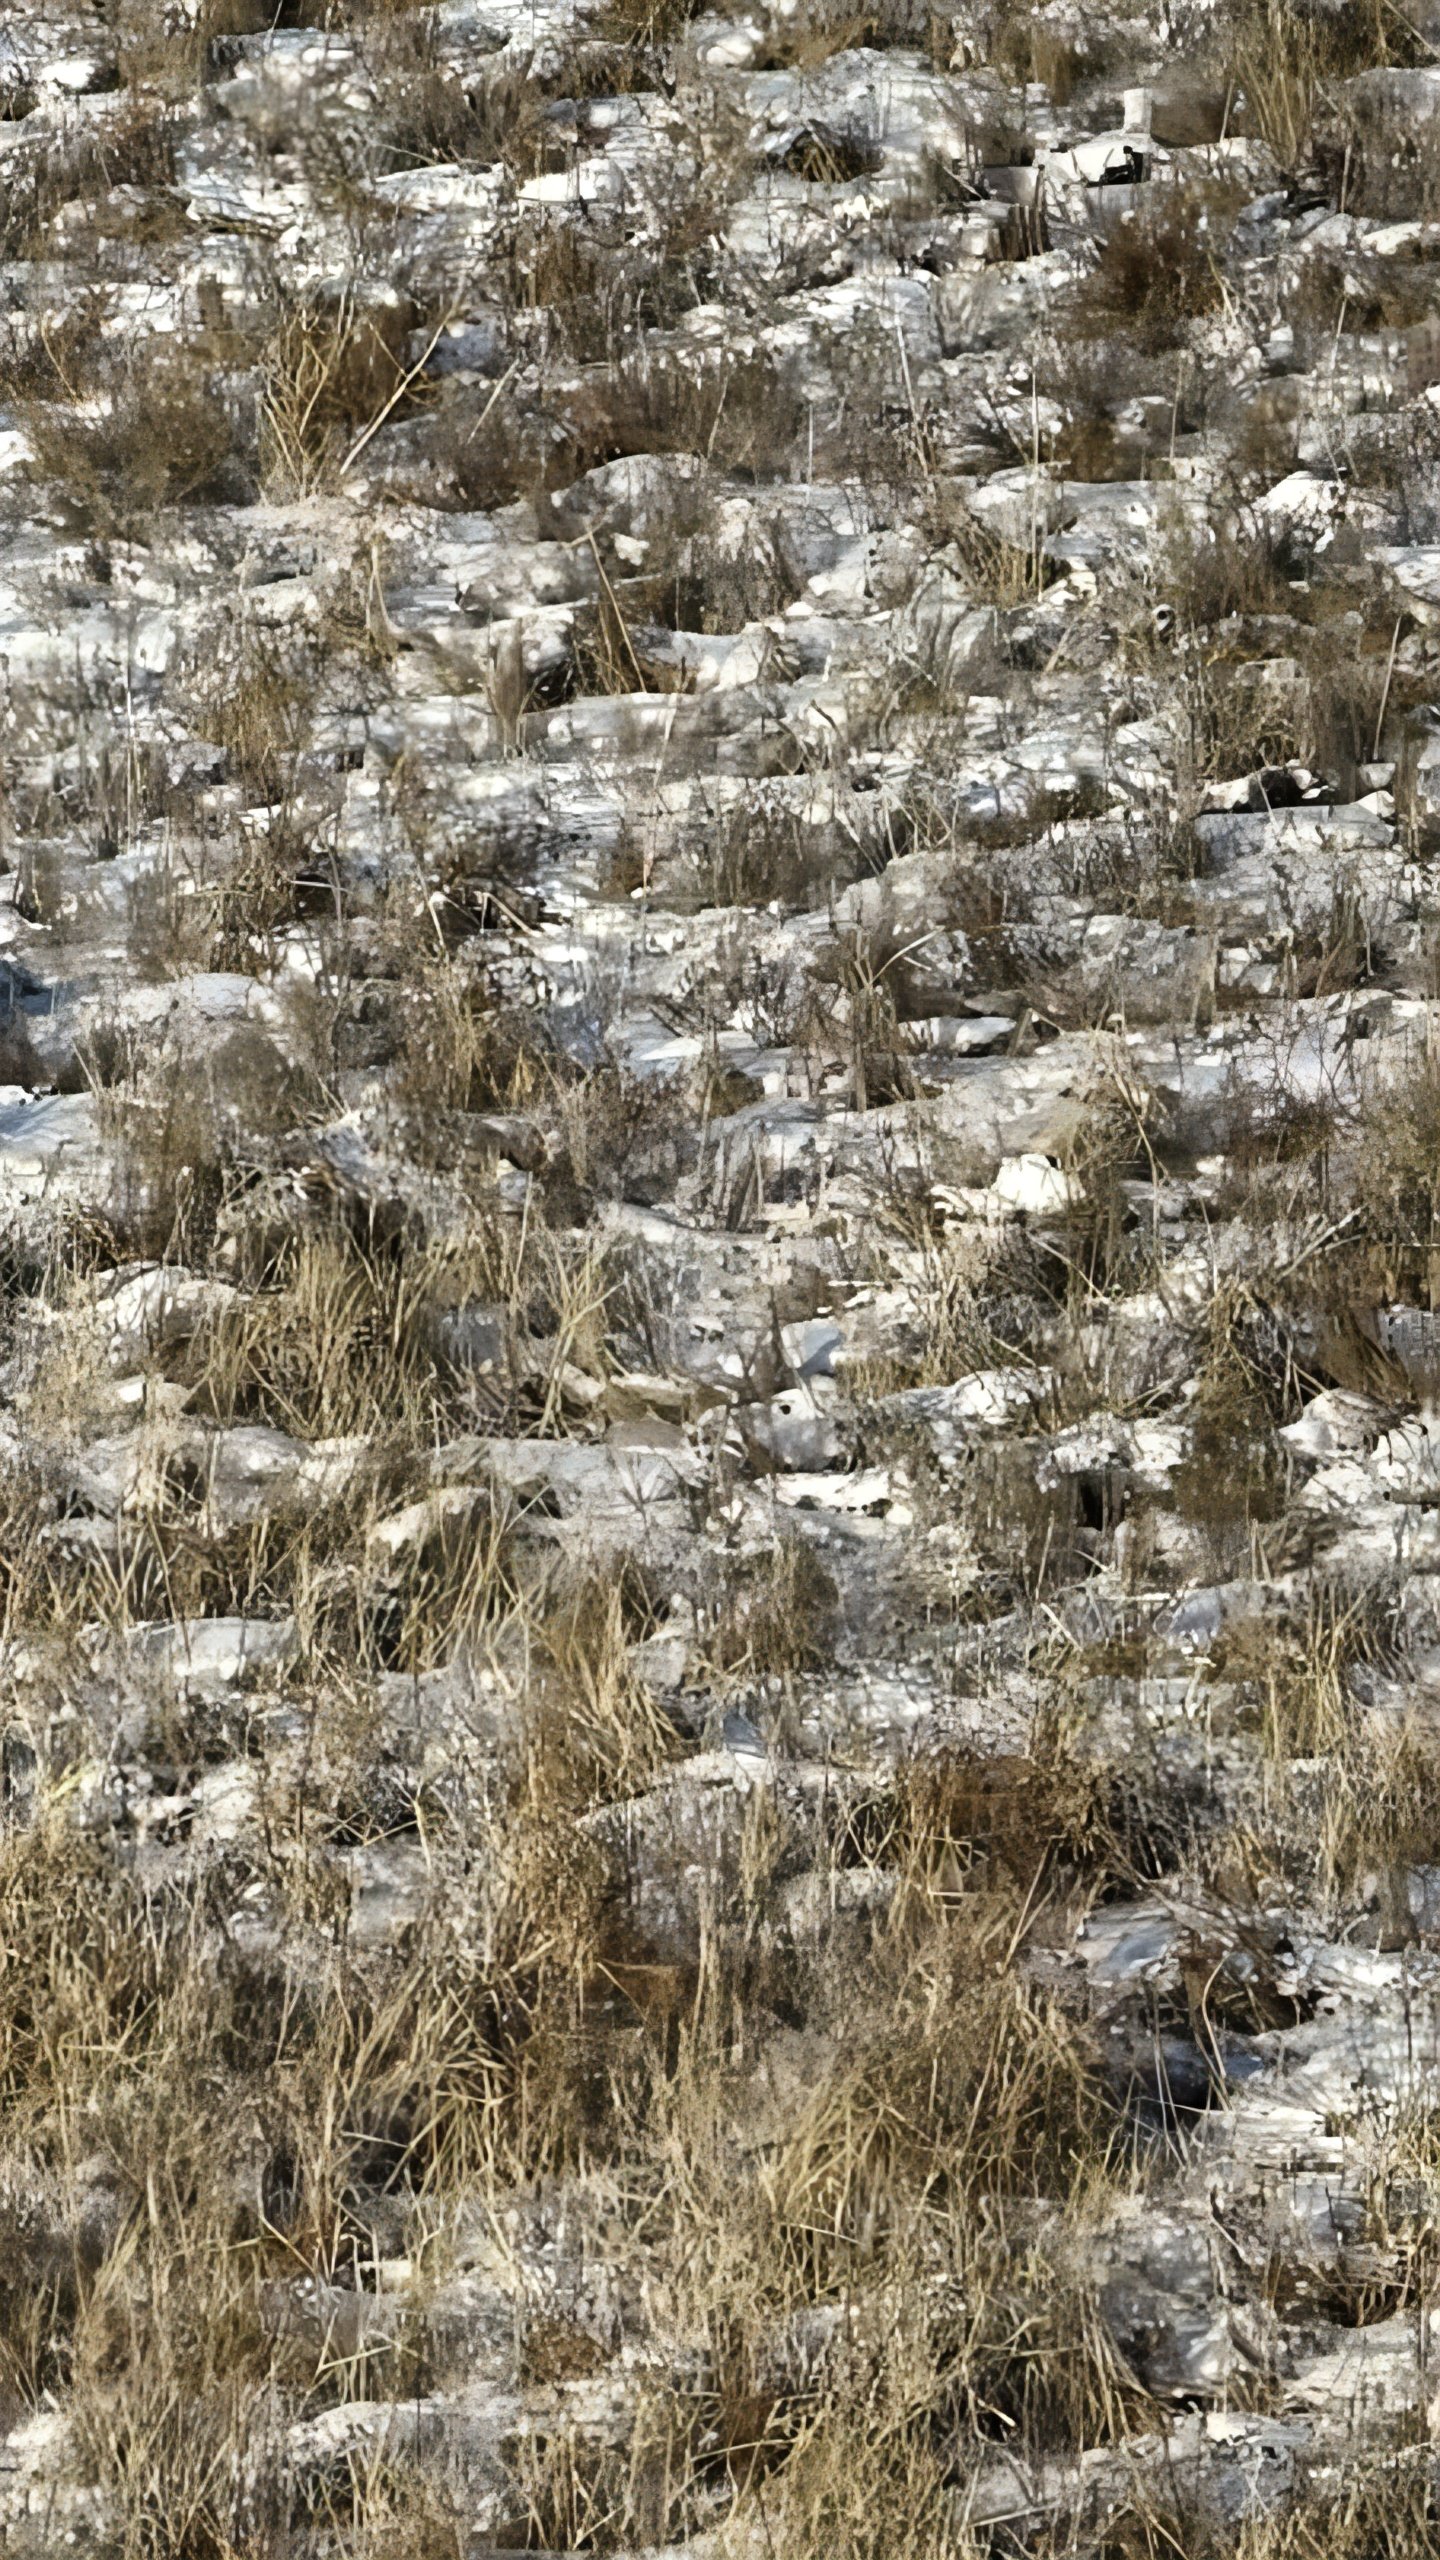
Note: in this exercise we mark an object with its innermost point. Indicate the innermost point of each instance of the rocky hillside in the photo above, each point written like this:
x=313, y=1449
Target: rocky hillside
x=720, y=1230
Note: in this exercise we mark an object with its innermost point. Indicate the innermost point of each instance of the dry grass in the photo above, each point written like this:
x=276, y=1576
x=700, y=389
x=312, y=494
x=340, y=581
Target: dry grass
x=132, y=147
x=778, y=1615
x=1161, y=268
x=209, y=2117
x=333, y=372
x=885, y=2124
x=747, y=2127
x=1285, y=61
x=145, y=432
x=739, y=414
x=1223, y=569
x=499, y=2046
x=1387, y=1174
x=1233, y=1475
x=837, y=27
x=255, y=698
x=155, y=54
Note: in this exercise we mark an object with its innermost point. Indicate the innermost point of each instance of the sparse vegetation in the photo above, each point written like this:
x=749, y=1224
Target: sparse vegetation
x=141, y=435
x=718, y=1150
x=1158, y=270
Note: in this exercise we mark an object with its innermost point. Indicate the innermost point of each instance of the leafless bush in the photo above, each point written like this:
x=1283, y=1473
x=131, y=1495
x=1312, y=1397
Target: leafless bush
x=836, y=27
x=133, y=147
x=333, y=371
x=739, y=414
x=137, y=432
x=1161, y=268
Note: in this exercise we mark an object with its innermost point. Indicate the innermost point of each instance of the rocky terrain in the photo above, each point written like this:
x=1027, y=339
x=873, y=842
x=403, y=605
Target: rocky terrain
x=720, y=1227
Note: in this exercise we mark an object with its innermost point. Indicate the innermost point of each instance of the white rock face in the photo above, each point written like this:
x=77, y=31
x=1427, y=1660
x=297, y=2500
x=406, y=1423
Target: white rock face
x=202, y=1654
x=1030, y=1185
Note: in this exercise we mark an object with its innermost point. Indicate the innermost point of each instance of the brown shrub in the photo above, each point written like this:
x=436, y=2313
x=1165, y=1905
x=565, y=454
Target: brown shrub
x=739, y=414
x=331, y=367
x=133, y=147
x=148, y=431
x=1161, y=267
x=779, y=1615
